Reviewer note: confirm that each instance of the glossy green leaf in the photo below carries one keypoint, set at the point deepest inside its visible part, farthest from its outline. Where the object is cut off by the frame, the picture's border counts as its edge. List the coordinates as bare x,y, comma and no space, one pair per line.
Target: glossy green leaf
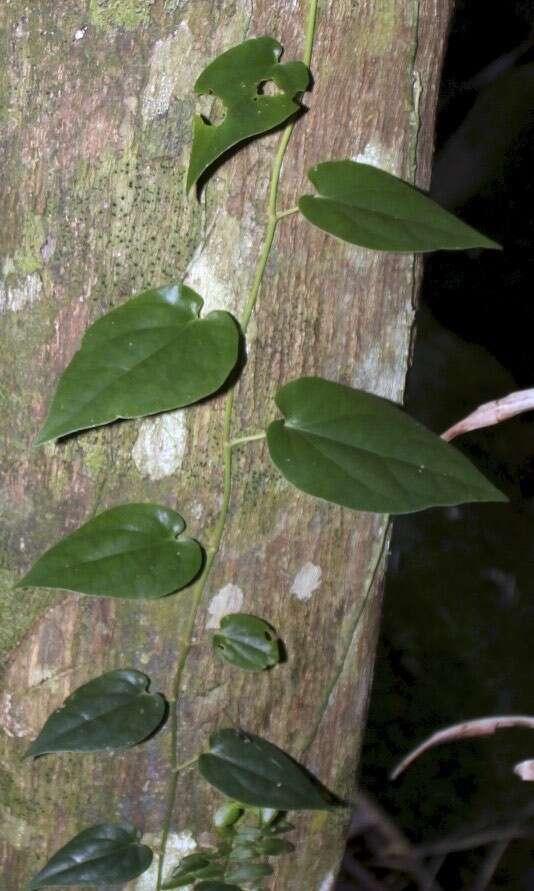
127,551
246,641
113,711
151,354
254,771
364,452
237,78
246,872
100,855
369,207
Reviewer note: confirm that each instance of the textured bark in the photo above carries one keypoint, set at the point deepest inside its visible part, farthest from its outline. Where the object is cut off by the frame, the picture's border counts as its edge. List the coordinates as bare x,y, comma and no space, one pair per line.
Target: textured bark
95,139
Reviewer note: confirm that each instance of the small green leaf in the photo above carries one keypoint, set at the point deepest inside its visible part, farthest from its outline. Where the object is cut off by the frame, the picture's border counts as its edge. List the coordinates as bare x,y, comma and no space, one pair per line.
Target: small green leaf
199,865
369,207
364,452
237,77
248,834
243,852
151,354
273,847
113,711
268,815
128,551
228,814
245,872
100,855
254,771
246,641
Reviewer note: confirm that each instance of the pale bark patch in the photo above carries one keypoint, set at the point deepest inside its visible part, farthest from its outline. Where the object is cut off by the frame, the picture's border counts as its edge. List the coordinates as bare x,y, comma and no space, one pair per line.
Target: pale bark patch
16,297
306,581
378,155
228,600
160,445
168,77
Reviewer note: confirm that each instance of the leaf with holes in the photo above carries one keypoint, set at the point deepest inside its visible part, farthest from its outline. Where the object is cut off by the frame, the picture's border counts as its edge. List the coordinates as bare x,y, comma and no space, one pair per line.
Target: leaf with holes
151,354
364,452
113,711
369,207
253,771
100,855
128,551
237,78
246,641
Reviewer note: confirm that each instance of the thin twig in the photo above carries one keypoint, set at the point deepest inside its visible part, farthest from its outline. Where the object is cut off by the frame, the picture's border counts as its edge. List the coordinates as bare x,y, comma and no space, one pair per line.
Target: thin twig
366,881
489,865
492,413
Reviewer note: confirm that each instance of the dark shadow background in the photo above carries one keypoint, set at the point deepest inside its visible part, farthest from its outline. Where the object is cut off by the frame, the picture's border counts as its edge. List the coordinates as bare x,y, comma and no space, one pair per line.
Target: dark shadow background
457,637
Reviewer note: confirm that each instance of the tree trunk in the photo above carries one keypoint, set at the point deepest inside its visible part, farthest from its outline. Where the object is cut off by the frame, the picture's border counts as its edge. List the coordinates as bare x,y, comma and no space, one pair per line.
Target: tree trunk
96,112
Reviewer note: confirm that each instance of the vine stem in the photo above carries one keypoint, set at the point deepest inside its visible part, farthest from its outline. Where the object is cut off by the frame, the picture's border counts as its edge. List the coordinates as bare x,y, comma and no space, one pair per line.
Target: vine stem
197,593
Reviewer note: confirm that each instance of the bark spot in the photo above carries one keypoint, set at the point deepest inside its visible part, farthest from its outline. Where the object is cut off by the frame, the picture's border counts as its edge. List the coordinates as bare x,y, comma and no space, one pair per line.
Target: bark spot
378,155
22,293
160,446
228,600
306,581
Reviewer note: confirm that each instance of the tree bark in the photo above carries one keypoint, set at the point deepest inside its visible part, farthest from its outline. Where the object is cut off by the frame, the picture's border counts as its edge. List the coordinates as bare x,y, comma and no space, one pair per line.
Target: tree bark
96,112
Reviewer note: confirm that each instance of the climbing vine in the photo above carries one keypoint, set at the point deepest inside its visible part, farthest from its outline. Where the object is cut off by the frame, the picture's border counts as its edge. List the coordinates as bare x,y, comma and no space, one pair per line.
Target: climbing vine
155,353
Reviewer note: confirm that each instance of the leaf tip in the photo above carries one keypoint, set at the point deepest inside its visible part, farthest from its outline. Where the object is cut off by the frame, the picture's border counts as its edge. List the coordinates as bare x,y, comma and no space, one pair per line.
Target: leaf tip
42,437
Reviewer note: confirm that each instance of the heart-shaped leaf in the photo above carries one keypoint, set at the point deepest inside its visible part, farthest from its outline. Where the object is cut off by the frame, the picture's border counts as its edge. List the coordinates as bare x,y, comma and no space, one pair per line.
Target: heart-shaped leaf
246,641
237,78
369,207
127,551
364,452
113,711
100,855
151,354
255,772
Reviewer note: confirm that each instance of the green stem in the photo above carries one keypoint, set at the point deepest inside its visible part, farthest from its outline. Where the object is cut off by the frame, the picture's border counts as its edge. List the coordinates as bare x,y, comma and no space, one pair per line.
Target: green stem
241,440
197,593
186,764
310,32
286,213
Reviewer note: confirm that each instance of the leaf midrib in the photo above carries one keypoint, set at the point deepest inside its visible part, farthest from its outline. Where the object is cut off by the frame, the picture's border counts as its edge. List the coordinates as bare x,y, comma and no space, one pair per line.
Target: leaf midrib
120,846
125,553
448,477
385,217
108,711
